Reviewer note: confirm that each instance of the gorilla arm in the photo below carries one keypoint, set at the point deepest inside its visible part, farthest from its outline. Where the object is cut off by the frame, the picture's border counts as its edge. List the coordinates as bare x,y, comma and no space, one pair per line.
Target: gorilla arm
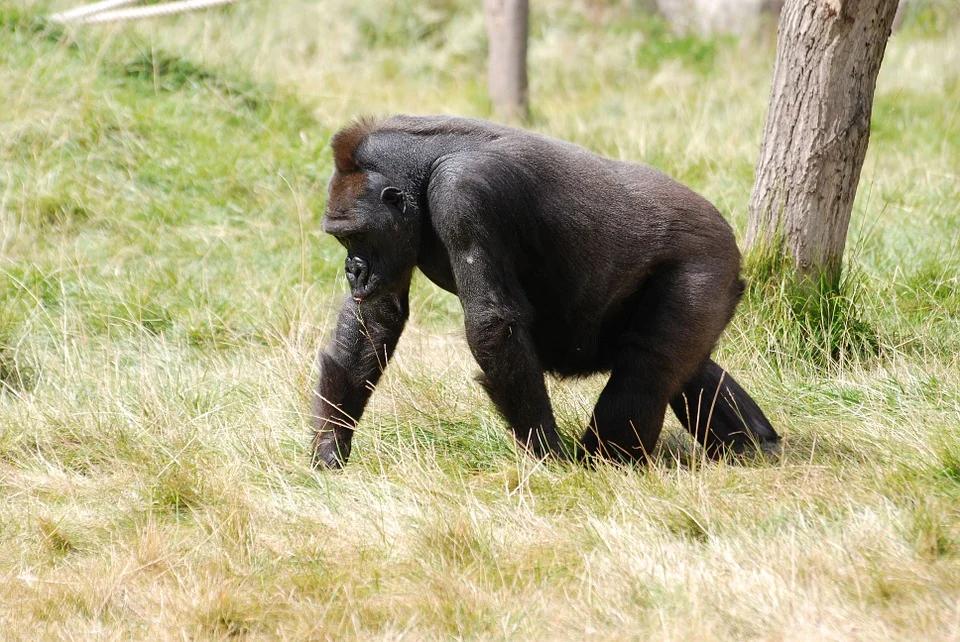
497,314
350,366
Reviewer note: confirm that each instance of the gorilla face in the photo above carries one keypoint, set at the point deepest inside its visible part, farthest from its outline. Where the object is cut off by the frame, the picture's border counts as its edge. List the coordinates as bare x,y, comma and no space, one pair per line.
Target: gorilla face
378,223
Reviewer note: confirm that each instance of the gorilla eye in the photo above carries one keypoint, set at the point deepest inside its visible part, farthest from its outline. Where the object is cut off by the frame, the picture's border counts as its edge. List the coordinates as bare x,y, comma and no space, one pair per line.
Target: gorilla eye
393,196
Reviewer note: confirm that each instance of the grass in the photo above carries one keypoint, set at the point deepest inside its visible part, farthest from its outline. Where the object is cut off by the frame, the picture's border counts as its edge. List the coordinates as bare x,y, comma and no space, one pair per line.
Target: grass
164,285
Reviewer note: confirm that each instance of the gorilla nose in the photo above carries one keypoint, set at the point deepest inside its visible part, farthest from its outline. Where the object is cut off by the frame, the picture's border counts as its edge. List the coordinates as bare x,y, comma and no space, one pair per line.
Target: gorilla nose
357,272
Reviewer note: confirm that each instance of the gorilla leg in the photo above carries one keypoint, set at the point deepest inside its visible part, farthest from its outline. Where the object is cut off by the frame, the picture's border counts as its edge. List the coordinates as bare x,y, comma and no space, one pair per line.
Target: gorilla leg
675,320
628,417
720,414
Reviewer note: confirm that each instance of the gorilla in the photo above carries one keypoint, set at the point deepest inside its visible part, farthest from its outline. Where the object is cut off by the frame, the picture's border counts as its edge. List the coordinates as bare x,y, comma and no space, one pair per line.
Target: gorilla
564,262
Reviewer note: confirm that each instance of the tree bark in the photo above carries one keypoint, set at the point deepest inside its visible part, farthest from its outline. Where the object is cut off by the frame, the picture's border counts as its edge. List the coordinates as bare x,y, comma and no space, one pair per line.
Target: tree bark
507,25
817,129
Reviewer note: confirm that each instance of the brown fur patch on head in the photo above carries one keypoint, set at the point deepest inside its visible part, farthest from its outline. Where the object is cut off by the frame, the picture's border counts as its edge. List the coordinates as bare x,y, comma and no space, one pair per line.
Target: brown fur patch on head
345,189
346,141
349,180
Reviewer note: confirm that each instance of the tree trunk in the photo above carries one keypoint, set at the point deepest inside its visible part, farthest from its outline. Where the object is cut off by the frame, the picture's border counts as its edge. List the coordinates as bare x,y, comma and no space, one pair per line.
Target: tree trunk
818,125
507,23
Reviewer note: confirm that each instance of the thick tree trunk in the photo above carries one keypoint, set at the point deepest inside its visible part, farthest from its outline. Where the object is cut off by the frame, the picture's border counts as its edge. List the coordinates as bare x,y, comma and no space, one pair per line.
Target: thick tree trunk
818,125
507,23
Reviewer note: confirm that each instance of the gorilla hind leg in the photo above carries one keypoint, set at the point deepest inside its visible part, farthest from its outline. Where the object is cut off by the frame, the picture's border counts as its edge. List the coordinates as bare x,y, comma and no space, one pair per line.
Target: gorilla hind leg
720,414
674,322
628,417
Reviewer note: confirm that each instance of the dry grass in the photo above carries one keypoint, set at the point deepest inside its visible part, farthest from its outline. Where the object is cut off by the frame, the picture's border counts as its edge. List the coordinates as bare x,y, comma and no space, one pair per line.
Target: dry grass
164,286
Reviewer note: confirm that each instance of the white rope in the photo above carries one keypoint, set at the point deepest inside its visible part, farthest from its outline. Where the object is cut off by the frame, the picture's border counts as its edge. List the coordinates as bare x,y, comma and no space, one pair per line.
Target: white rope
79,12
89,15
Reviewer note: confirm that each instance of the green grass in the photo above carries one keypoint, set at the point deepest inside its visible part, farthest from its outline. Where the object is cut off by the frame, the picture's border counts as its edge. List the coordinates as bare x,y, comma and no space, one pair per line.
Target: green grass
164,286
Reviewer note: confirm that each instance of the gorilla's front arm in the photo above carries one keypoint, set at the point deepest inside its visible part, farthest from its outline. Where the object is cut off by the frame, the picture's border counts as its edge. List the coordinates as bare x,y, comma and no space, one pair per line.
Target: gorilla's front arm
498,334
350,367
496,312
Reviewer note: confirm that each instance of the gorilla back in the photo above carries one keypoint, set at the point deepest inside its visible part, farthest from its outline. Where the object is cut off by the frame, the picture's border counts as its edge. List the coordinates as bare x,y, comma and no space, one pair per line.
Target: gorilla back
563,260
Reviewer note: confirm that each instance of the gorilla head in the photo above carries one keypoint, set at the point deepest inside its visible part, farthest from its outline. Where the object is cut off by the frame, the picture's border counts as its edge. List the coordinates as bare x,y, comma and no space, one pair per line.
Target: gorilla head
375,218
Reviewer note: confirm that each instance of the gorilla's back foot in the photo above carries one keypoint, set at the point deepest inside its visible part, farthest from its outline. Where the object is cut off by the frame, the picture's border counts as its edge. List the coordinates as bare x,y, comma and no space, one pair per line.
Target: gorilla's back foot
720,414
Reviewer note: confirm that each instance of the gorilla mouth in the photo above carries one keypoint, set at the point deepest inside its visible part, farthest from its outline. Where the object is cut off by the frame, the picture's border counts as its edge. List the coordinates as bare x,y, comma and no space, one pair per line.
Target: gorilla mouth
359,277
365,283
366,291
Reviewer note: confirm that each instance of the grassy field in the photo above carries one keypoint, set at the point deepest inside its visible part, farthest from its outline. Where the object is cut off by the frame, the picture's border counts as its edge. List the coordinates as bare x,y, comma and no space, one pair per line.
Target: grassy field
164,286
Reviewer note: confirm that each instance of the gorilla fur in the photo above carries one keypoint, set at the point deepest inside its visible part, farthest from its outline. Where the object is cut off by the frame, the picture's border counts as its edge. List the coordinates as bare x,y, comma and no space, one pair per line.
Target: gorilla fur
564,262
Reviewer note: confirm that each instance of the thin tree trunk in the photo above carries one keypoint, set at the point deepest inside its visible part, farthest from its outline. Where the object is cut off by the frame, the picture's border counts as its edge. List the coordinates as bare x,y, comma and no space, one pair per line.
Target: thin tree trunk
507,24
818,125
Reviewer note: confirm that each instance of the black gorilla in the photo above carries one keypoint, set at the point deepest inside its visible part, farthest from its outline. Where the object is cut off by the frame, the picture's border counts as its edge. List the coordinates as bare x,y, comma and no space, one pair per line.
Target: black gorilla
563,261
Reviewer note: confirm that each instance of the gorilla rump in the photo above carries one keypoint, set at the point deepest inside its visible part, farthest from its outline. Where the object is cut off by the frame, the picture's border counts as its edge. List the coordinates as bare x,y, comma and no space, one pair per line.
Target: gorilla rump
564,262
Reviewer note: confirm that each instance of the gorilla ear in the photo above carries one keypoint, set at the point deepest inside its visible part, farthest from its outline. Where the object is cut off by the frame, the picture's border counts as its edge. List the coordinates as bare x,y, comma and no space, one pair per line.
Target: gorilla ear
393,196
